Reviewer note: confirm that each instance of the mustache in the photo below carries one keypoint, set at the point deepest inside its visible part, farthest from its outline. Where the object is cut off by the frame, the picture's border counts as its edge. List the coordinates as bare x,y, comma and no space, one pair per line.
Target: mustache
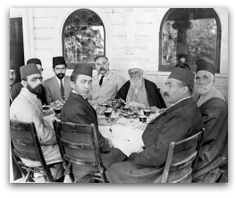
165,94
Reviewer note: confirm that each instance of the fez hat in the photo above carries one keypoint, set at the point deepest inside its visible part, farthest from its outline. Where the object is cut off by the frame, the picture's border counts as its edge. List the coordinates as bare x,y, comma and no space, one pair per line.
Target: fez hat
34,60
82,69
204,65
184,75
58,60
27,70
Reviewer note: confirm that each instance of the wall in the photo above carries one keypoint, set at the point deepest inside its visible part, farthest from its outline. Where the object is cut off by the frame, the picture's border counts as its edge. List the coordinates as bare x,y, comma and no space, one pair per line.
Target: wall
131,34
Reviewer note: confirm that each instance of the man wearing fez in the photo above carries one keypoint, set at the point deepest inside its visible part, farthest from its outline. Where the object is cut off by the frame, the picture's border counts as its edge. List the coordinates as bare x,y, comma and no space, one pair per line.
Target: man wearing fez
78,110
180,120
139,91
105,83
17,87
58,86
214,110
28,108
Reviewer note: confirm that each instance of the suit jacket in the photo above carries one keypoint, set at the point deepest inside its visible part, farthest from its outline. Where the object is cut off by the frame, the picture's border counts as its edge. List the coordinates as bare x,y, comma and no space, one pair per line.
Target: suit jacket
53,90
78,110
176,123
16,88
215,142
153,93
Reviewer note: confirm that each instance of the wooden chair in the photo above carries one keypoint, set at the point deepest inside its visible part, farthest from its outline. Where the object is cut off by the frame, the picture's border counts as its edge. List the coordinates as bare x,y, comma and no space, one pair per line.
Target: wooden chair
181,160
25,144
78,144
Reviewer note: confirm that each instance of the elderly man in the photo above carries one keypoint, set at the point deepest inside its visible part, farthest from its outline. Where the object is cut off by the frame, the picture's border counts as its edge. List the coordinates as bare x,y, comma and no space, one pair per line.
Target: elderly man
17,87
106,83
78,110
214,110
140,92
58,86
28,108
180,120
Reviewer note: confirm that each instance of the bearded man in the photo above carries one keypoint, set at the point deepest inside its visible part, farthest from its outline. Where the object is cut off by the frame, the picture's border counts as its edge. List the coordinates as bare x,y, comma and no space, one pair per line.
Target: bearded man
214,109
28,108
58,87
140,92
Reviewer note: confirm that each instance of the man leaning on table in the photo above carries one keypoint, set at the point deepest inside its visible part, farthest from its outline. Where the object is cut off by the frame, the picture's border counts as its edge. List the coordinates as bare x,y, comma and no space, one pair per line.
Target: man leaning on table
180,120
78,110
28,108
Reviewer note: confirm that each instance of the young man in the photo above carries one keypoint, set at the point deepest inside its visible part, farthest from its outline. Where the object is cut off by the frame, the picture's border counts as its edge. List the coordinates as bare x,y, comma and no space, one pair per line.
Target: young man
58,87
78,110
28,108
180,120
214,110
106,83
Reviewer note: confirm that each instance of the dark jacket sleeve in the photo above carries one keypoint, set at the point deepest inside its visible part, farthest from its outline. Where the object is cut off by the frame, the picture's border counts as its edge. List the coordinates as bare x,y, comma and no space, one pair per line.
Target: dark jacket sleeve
15,90
123,91
174,129
154,95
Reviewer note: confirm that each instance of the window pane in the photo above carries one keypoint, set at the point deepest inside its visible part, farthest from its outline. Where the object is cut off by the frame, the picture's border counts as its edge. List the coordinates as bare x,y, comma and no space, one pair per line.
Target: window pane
201,40
188,34
83,37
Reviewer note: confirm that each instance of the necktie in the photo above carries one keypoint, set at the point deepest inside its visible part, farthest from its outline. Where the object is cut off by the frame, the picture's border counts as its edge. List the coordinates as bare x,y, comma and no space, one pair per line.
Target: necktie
101,80
62,90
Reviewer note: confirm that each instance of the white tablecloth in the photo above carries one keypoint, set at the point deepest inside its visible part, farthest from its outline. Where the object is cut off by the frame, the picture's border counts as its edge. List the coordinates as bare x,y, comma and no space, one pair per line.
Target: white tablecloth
126,134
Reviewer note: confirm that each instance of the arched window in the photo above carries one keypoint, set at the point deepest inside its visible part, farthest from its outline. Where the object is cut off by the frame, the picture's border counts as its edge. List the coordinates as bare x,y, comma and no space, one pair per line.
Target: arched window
190,33
83,37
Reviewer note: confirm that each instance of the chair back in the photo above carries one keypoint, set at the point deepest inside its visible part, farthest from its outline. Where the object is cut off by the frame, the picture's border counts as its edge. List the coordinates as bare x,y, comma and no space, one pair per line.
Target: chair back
78,144
25,144
181,159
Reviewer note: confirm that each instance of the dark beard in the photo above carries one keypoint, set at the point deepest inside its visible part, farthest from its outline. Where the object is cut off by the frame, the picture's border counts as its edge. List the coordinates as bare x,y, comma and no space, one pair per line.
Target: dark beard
37,90
60,75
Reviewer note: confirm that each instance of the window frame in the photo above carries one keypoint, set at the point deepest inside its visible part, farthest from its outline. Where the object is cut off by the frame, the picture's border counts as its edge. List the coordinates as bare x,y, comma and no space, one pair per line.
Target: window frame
72,65
169,68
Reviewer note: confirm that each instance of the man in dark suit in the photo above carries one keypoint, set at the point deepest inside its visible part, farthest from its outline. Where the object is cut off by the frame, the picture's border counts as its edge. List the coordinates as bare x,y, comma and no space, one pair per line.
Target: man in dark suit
78,110
58,86
180,120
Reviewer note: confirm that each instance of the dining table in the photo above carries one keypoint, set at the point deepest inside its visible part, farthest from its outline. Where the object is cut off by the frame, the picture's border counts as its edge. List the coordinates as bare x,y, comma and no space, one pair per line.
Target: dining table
124,132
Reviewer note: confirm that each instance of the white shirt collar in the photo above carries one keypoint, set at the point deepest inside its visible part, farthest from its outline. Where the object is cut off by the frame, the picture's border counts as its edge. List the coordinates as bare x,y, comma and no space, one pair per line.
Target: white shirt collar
59,81
180,100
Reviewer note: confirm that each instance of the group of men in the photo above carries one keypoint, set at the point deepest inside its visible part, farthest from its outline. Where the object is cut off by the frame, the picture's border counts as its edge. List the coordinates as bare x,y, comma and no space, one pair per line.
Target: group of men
182,118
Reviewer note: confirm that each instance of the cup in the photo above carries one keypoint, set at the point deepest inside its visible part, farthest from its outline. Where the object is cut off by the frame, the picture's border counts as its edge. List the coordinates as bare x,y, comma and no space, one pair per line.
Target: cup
107,113
143,118
147,112
57,110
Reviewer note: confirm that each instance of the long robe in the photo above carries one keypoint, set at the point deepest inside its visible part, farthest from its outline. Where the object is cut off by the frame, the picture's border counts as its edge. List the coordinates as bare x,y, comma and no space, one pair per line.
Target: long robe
176,123
215,142
153,93
78,110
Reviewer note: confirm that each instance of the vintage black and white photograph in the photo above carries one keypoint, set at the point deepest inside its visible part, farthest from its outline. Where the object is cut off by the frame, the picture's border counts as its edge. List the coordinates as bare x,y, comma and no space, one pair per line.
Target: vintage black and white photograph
118,95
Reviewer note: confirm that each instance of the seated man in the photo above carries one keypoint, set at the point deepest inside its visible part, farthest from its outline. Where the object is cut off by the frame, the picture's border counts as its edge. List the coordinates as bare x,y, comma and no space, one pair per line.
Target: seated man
58,86
140,92
180,120
78,110
214,110
106,83
28,108
17,87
